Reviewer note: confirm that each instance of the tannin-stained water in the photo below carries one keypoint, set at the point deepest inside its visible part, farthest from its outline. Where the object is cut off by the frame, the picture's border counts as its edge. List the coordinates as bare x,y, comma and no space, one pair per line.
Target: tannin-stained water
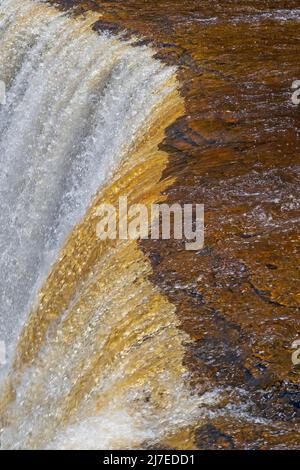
73,111
95,353
99,361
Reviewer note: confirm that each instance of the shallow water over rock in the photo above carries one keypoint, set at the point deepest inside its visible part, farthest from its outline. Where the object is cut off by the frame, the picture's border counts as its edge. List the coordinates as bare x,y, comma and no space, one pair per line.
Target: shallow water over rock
235,149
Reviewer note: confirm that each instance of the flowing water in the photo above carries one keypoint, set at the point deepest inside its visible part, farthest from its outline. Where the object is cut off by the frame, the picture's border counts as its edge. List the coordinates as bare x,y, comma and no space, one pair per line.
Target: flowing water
126,344
95,356
73,111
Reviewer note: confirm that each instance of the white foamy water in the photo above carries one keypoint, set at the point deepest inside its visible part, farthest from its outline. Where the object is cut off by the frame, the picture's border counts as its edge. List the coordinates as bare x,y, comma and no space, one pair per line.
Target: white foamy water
75,102
117,428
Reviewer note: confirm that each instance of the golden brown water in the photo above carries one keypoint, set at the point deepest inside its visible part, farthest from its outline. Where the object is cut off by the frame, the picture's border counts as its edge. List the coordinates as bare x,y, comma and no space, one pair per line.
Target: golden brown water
95,332
228,314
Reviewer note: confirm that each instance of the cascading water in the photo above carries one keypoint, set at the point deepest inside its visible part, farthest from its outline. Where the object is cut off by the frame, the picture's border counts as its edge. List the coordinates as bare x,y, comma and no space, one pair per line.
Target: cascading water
93,365
73,110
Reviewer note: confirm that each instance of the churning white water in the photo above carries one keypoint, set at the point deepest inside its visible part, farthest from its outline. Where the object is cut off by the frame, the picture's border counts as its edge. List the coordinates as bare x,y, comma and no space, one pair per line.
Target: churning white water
76,101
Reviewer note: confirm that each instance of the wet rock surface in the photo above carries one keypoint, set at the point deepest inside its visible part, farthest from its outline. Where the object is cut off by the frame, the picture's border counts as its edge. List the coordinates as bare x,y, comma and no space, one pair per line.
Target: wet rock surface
237,152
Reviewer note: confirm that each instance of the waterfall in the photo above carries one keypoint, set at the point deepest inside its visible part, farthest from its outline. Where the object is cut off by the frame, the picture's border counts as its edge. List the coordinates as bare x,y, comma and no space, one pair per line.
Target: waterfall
95,352
74,107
